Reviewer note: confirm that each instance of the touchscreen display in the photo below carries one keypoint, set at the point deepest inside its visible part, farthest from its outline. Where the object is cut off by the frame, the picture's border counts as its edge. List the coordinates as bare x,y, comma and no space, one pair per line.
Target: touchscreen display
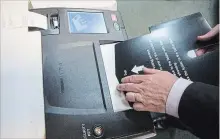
86,22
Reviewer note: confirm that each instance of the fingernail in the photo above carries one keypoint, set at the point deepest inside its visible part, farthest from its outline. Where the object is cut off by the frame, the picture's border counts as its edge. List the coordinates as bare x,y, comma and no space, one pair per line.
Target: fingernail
122,80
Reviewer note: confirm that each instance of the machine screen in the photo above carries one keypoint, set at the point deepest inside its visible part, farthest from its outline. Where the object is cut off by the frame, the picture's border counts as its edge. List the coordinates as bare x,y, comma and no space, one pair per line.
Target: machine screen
85,22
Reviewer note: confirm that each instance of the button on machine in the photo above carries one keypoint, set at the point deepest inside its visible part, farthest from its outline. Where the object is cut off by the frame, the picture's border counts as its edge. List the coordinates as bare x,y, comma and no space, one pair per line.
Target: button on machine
98,131
114,17
116,26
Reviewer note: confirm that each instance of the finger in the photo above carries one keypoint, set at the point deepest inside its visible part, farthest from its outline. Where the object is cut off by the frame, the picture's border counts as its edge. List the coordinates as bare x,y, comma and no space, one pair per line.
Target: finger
138,106
133,97
129,87
200,52
150,71
130,97
133,79
213,32
141,107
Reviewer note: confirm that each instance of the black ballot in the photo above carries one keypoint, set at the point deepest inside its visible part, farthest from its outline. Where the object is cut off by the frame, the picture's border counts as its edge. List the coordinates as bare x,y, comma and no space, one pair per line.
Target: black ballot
171,47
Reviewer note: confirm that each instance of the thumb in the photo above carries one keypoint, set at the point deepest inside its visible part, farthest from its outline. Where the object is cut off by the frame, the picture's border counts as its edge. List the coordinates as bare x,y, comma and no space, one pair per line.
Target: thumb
150,71
208,36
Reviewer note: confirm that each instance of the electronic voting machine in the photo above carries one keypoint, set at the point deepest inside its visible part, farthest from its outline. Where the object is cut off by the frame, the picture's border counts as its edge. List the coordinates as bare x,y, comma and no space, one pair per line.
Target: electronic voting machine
77,99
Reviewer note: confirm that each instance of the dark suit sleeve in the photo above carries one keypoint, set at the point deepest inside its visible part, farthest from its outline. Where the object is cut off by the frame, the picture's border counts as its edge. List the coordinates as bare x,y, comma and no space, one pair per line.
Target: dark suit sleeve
199,110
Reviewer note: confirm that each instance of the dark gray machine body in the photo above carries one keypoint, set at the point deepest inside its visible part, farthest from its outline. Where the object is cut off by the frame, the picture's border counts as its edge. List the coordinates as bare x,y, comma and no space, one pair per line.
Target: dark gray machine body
76,92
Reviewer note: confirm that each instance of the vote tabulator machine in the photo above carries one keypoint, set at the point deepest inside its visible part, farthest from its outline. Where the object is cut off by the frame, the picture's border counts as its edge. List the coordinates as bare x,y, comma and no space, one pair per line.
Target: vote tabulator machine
76,93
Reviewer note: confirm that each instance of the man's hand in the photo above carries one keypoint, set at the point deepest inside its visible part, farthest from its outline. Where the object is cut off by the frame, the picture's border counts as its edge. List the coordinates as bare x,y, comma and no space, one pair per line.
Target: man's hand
149,92
208,36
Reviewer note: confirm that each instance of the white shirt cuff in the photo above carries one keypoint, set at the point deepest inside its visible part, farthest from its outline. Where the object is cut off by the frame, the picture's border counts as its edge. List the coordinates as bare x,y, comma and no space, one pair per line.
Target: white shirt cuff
175,95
